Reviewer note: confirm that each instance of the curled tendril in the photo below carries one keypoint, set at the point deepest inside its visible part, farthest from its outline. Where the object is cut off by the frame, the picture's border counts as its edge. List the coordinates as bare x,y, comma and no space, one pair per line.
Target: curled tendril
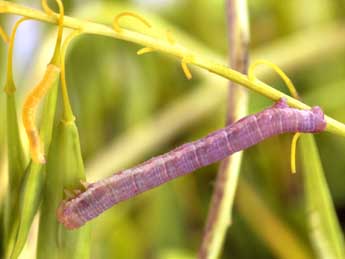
117,18
280,72
185,69
49,11
294,94
293,152
4,35
170,37
46,7
144,50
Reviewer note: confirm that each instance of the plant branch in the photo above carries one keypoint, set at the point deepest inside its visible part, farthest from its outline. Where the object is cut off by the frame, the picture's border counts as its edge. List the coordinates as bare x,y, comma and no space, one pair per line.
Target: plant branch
176,50
220,212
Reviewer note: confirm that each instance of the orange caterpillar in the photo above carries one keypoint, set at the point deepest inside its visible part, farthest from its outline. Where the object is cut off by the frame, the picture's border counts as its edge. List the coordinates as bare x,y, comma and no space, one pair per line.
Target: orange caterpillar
51,76
30,105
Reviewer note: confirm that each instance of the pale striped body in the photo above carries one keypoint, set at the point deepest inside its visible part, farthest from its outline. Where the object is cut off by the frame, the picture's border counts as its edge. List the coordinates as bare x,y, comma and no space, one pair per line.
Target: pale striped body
216,146
30,108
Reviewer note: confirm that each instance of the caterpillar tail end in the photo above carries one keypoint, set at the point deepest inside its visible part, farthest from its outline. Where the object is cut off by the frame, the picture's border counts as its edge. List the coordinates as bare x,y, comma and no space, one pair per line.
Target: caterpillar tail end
38,157
36,147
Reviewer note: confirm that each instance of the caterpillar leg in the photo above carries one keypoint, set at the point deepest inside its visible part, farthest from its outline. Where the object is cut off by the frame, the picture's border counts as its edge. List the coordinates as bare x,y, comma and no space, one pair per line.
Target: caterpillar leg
281,103
85,184
68,194
71,194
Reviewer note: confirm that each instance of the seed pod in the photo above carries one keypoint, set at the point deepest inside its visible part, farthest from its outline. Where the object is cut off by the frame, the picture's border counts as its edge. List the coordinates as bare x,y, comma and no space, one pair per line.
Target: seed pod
16,157
30,195
16,169
64,171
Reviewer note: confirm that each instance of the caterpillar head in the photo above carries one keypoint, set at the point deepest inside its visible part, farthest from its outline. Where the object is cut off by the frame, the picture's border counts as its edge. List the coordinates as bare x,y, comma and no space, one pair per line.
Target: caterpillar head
68,217
319,118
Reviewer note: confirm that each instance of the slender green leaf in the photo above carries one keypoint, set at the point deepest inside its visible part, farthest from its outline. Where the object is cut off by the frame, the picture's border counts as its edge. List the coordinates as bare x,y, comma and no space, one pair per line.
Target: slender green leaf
325,231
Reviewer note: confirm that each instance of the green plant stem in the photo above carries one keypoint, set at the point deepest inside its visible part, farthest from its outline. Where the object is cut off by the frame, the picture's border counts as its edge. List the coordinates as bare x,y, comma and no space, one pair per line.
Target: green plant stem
220,212
68,115
176,50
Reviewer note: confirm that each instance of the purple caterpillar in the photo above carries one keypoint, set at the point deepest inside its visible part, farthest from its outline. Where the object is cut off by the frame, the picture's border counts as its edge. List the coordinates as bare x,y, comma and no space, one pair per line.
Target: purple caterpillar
101,195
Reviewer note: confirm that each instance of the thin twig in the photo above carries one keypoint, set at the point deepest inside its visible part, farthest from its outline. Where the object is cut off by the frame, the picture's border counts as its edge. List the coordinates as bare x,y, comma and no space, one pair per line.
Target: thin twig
176,50
219,217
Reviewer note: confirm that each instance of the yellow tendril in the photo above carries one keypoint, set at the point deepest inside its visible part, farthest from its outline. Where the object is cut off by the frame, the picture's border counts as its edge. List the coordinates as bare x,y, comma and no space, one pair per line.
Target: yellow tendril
170,37
4,35
293,152
10,87
144,51
280,72
185,68
46,7
68,114
116,25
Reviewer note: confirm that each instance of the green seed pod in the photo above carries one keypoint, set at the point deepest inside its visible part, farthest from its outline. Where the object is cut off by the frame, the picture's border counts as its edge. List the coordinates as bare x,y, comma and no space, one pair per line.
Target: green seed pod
30,194
16,168
16,157
65,169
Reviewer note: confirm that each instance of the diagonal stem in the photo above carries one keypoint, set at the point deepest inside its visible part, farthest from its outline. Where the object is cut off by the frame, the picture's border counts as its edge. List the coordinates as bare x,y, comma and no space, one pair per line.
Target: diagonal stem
176,50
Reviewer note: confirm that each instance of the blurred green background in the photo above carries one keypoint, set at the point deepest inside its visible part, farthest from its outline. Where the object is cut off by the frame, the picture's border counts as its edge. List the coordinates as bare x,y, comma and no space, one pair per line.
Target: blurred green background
130,108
